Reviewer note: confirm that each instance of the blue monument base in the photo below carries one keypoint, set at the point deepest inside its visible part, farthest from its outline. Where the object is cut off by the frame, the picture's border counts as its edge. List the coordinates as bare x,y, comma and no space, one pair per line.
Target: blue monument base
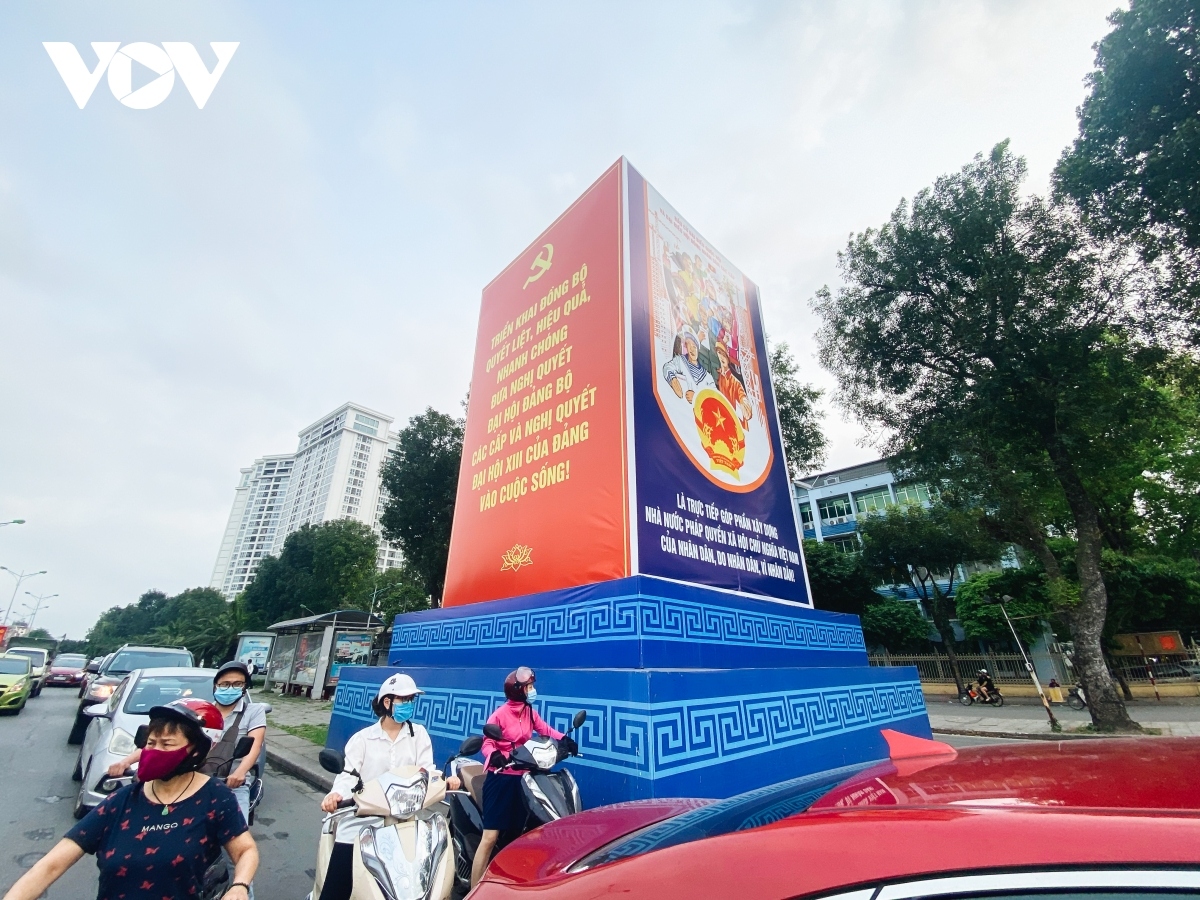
690,692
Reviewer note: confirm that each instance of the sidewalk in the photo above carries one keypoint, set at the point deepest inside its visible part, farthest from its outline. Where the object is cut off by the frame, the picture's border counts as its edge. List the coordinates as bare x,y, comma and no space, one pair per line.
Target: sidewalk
1022,718
295,753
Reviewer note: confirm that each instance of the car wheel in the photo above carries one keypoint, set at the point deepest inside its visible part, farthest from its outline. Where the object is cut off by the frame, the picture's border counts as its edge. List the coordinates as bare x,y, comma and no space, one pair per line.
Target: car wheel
965,698
79,810
77,775
78,730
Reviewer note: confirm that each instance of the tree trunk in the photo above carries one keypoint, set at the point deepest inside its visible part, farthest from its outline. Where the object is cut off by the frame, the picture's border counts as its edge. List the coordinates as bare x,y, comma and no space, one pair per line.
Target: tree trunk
1116,670
1087,618
941,621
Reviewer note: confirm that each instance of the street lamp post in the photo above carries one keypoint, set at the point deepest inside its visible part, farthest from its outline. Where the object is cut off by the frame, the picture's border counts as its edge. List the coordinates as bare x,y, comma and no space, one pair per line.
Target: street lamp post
12,522
1054,726
20,576
41,600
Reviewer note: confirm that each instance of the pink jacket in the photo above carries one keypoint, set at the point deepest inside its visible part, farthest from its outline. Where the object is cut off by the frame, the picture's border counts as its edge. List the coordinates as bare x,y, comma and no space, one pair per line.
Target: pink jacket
518,721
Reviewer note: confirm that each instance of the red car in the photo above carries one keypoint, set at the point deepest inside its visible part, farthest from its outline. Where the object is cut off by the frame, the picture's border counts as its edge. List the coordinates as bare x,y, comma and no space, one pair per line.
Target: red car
66,670
1057,819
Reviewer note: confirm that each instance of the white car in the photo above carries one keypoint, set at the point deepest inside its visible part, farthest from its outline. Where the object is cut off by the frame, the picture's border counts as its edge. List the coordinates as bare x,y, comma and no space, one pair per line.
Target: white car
39,661
109,735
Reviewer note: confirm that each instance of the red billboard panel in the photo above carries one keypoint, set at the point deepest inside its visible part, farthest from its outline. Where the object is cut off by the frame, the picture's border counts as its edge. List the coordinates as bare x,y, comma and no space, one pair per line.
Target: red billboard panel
542,494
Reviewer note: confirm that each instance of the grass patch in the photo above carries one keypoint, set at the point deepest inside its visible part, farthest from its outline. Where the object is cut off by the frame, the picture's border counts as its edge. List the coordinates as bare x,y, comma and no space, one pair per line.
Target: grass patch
316,734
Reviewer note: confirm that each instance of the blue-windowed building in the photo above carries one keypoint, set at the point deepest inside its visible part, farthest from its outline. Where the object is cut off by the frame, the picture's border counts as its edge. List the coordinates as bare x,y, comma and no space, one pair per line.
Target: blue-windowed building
830,503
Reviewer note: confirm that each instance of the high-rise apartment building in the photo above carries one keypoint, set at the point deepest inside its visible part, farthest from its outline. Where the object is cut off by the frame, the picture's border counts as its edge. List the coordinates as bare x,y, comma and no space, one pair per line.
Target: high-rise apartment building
250,532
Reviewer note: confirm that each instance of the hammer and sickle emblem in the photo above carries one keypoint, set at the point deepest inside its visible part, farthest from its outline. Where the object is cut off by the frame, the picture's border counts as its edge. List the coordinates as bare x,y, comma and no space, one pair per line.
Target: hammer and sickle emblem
541,264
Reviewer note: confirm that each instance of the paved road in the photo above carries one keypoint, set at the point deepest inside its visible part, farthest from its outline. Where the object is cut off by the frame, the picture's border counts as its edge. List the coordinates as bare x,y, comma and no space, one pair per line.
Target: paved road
36,763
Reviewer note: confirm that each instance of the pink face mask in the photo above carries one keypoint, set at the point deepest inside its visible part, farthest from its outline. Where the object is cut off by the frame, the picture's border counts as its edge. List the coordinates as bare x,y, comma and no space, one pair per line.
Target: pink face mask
156,764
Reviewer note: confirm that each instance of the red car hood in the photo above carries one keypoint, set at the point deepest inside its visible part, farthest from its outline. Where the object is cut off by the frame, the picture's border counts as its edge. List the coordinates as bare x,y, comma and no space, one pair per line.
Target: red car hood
548,850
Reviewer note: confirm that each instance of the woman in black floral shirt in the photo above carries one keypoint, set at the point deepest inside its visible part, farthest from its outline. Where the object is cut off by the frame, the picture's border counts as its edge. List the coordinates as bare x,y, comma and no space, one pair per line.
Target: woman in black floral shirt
154,839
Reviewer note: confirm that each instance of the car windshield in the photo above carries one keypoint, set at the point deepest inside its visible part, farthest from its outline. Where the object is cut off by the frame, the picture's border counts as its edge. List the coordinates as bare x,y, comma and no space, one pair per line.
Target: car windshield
750,810
14,666
70,661
128,660
38,657
157,690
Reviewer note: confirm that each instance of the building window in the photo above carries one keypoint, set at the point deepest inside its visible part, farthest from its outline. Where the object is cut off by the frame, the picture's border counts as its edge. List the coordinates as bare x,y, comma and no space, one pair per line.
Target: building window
873,501
912,493
847,544
806,517
835,510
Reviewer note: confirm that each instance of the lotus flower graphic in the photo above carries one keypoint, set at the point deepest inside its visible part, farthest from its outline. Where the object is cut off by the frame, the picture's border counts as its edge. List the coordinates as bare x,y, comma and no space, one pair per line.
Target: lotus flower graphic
519,555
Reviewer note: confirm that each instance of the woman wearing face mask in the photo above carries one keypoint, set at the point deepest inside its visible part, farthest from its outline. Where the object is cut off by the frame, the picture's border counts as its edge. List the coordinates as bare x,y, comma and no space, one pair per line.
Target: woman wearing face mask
395,740
503,802
154,839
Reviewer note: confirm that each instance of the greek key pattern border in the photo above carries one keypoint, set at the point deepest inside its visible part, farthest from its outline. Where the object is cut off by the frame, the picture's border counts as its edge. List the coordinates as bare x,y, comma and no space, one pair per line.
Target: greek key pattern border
628,617
648,740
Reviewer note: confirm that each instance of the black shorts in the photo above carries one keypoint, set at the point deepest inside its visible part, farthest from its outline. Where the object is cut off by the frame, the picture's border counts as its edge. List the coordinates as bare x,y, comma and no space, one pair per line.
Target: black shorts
503,802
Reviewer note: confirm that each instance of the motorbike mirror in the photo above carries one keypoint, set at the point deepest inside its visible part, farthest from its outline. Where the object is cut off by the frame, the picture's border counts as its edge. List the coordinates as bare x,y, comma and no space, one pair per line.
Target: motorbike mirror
494,731
139,736
244,746
332,760
580,718
470,746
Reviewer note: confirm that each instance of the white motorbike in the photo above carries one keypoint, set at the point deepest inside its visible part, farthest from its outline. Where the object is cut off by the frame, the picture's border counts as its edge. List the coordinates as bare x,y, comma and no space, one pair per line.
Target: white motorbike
397,825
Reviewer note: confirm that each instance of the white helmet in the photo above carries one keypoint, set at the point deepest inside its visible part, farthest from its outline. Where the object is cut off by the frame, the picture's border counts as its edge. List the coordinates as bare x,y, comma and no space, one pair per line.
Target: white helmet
399,684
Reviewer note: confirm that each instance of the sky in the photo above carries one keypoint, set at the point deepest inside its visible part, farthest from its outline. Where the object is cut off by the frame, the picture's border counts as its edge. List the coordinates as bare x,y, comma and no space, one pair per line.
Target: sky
182,290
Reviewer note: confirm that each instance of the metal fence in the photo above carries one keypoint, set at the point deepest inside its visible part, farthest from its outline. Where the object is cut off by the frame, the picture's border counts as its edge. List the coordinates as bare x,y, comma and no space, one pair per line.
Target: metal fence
1009,668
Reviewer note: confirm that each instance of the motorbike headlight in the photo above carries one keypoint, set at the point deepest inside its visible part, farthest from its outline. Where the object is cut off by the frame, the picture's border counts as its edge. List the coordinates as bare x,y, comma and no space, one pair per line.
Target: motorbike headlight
122,743
405,798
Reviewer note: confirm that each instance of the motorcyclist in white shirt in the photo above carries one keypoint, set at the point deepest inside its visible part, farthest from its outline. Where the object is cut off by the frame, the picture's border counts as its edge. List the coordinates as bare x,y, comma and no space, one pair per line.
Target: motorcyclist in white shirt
395,740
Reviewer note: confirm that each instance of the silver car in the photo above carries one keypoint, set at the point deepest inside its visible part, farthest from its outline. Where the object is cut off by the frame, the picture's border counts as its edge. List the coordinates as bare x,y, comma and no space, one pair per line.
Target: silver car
109,735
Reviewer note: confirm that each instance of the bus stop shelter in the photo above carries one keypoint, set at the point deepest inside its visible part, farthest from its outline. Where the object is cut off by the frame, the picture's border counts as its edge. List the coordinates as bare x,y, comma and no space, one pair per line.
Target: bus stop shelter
308,653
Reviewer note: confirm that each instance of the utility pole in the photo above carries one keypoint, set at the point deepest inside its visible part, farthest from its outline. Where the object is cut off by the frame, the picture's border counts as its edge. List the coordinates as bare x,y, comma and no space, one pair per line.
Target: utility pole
20,576
1054,726
41,600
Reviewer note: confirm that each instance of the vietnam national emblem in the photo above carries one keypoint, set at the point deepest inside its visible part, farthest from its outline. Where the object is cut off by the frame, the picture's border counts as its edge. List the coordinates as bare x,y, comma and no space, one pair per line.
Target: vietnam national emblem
721,434
520,555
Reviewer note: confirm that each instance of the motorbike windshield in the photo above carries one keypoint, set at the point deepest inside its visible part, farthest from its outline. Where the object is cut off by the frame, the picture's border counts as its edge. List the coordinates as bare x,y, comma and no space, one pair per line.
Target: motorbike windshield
750,810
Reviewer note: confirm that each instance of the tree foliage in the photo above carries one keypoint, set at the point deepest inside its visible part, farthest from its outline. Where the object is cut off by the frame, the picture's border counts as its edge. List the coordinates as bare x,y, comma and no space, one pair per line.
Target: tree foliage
799,419
1133,167
838,580
999,347
981,617
910,544
197,618
321,568
400,590
421,480
895,625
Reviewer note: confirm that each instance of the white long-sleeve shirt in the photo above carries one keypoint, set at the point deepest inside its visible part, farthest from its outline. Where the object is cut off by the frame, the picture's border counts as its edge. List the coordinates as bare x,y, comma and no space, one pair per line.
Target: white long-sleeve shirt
372,753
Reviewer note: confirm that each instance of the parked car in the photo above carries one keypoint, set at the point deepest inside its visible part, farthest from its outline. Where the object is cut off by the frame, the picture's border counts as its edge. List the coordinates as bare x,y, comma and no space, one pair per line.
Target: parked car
66,670
115,667
16,681
113,723
1059,820
39,661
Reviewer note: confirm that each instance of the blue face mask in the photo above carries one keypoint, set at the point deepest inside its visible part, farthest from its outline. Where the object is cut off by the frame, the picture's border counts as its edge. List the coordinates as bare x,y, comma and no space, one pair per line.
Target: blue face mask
531,695
402,712
227,696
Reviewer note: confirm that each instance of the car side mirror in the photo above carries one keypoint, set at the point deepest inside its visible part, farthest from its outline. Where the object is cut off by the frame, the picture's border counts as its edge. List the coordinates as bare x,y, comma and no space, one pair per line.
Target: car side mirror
580,718
470,746
140,736
92,668
244,746
332,760
97,711
493,731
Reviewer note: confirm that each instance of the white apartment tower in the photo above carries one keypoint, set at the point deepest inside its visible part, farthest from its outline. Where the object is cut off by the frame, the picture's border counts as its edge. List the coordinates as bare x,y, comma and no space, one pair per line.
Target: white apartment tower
250,532
335,473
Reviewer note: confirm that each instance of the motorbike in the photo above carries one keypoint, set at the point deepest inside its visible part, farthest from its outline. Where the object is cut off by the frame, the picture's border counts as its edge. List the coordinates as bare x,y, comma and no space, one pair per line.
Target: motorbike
549,794
1076,699
398,828
216,876
973,695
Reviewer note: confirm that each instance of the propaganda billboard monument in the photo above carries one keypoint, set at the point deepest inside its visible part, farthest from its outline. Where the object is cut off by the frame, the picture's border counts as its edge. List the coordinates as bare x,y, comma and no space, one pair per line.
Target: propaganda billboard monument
624,523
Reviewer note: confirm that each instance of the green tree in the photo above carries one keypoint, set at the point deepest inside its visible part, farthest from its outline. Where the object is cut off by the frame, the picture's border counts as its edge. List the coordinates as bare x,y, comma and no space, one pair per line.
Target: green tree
895,625
421,480
981,617
400,590
799,418
838,581
1133,167
321,568
40,634
73,646
988,334
913,545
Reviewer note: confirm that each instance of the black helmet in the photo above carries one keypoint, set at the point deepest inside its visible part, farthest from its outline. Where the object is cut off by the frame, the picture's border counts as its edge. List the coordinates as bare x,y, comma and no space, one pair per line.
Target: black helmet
234,665
517,681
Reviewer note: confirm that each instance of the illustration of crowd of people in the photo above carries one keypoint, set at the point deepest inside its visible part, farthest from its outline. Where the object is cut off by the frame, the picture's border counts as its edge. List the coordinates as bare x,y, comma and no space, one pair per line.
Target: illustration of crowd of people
706,351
